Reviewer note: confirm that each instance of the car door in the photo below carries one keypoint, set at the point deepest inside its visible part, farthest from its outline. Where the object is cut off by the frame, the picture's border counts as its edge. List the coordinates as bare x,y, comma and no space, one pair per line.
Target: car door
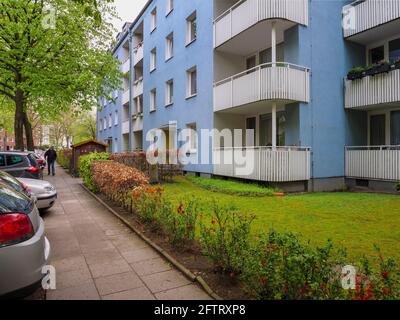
16,165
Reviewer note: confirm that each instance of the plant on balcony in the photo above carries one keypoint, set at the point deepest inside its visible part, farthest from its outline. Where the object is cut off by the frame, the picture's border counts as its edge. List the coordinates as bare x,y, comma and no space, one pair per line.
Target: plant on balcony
380,67
395,64
356,73
372,70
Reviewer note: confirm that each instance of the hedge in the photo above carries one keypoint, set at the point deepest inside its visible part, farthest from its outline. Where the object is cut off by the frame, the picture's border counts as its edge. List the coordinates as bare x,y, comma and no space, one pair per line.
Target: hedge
85,167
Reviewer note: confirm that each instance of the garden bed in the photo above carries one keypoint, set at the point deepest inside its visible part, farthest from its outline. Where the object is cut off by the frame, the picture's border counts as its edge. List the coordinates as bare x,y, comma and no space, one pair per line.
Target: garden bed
191,258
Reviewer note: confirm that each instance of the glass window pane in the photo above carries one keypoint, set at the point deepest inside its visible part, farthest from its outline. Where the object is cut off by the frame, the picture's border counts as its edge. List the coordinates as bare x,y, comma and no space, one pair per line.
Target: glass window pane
394,50
14,159
378,130
2,161
395,128
377,55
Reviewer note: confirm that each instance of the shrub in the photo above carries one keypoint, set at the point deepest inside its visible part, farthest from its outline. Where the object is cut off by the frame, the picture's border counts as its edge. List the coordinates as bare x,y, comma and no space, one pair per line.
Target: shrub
64,158
116,180
85,168
226,238
279,266
398,186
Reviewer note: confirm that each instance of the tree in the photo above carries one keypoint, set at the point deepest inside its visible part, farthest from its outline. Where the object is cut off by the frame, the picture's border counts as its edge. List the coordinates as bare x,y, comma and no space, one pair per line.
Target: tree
54,54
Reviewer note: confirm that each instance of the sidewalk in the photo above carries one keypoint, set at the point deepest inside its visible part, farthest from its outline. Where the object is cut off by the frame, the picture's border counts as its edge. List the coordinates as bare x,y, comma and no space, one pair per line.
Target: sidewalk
97,257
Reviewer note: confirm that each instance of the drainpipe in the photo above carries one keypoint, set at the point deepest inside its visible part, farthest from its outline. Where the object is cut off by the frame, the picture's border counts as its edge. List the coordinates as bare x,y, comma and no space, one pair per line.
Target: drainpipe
273,58
130,117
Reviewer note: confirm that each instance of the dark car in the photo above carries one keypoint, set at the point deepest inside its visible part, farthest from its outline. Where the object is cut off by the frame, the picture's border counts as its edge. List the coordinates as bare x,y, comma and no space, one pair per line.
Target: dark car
20,164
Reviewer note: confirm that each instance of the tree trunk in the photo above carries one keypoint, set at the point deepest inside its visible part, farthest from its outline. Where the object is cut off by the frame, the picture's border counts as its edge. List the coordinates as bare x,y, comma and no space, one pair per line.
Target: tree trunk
19,120
29,134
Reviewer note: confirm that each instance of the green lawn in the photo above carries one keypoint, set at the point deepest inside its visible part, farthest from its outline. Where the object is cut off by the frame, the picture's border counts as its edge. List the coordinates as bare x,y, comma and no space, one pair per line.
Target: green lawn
354,220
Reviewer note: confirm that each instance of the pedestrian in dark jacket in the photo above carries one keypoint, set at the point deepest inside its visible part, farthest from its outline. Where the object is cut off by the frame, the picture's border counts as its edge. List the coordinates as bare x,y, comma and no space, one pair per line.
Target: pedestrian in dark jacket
51,157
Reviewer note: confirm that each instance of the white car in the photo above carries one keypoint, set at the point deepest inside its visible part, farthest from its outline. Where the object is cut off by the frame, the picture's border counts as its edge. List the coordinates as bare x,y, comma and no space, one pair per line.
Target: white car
44,191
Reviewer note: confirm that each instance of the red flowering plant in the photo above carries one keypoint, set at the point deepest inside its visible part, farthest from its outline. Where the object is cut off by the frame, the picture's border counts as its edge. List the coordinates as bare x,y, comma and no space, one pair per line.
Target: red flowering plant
225,238
279,266
382,283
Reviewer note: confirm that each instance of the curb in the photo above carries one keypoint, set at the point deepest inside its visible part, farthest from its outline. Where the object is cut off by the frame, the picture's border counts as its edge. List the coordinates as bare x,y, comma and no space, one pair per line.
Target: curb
188,274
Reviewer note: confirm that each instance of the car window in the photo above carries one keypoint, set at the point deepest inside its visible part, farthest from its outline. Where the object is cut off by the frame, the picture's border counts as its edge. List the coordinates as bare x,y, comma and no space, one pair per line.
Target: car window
2,160
13,159
11,181
32,160
12,201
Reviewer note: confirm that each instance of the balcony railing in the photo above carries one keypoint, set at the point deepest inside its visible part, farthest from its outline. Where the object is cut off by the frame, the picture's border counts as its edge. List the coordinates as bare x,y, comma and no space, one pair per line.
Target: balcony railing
125,66
375,163
125,97
247,13
373,90
362,15
280,81
138,54
280,164
125,127
138,88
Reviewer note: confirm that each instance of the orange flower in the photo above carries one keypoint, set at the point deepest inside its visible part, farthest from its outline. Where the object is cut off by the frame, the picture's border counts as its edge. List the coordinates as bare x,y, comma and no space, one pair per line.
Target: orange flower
136,195
213,222
180,209
150,190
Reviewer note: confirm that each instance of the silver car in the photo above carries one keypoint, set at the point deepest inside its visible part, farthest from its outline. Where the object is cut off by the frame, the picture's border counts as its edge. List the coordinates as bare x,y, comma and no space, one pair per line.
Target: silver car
24,249
44,191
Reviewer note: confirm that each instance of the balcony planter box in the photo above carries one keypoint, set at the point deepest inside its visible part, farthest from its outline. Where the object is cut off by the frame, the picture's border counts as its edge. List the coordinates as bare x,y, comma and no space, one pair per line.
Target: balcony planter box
355,75
378,69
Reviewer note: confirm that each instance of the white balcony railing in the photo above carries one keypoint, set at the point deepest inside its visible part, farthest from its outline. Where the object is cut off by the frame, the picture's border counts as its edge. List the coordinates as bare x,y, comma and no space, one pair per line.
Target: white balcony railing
363,15
137,54
125,67
375,163
284,81
125,97
282,164
247,13
138,88
125,127
373,90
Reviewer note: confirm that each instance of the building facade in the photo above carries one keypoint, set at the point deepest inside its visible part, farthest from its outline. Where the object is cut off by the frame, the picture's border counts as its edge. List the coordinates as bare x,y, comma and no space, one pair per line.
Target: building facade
279,70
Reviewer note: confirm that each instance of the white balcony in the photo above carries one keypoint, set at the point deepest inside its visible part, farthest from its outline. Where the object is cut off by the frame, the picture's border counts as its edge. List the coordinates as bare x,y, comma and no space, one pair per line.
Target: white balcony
125,98
363,15
138,54
373,90
126,66
280,164
373,163
138,88
247,13
276,82
138,123
125,127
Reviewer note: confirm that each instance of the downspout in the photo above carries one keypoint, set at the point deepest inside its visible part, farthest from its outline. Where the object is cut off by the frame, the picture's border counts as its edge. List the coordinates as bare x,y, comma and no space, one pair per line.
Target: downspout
130,147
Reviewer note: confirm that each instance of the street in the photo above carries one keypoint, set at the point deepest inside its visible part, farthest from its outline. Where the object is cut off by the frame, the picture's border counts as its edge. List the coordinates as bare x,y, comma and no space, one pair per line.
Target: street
97,257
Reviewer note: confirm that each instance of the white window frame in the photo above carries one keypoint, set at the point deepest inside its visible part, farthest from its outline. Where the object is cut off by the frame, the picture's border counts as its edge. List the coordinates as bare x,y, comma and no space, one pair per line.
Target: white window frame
116,118
189,84
153,59
153,19
169,46
190,37
193,139
169,92
105,123
169,7
110,120
153,100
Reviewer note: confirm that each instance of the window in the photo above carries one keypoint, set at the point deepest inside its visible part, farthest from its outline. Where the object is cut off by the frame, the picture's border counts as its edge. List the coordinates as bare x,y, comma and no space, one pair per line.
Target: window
153,20
110,120
191,32
191,82
193,136
105,124
14,159
116,118
153,100
153,59
169,92
169,46
2,161
395,128
378,130
376,55
170,6
251,135
394,50
101,125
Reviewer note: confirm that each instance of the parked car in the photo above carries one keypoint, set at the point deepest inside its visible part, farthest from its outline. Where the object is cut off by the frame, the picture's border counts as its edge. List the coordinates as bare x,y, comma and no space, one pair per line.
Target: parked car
20,164
40,160
44,191
24,249
14,183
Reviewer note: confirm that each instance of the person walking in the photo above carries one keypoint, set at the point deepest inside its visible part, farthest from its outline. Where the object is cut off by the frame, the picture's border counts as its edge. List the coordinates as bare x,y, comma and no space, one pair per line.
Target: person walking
51,157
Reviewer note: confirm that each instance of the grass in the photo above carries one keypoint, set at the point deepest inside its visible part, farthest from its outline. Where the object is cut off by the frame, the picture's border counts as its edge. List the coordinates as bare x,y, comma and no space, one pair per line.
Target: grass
232,187
355,220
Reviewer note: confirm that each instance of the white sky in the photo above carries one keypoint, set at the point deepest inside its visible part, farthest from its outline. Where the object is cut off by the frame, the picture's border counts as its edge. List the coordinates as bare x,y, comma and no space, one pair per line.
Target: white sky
127,11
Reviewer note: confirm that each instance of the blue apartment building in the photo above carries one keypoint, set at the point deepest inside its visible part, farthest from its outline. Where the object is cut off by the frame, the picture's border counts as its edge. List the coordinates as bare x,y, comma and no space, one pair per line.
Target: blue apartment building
279,68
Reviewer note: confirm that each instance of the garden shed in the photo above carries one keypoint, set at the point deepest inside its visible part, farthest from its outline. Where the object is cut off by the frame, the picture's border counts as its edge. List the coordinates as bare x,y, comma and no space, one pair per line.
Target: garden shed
86,147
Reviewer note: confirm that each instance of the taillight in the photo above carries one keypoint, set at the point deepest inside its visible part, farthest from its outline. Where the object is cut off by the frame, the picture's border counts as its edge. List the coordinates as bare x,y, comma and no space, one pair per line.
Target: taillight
33,169
15,228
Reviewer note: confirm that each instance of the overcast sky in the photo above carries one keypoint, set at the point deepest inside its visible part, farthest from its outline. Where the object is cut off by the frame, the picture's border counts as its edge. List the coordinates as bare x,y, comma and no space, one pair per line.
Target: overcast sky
127,10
